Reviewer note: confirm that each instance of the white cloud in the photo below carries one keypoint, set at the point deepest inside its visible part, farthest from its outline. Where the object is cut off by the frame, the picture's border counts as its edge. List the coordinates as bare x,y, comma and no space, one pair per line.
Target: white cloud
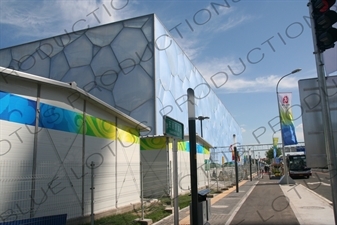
46,18
231,23
218,72
259,84
218,20
226,19
191,47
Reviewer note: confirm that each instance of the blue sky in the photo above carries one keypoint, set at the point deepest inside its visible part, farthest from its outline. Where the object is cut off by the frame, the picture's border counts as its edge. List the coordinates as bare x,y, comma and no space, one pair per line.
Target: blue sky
241,47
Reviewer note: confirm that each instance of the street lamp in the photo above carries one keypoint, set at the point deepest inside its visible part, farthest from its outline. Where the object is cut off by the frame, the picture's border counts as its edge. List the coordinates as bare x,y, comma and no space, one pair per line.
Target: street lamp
201,118
286,175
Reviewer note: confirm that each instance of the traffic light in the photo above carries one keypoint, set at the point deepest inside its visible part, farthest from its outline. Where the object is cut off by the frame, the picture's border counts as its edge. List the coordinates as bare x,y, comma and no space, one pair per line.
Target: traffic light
324,18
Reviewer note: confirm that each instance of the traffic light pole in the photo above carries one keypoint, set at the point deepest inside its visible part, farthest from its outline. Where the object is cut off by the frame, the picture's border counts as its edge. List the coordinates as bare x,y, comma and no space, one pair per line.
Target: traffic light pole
326,117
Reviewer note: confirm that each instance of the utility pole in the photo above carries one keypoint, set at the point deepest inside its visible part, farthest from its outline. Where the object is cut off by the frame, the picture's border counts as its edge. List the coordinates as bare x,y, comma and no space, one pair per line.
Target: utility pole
326,117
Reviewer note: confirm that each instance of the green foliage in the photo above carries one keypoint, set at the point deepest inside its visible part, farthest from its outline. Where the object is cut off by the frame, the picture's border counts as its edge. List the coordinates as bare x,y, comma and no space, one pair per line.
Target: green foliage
184,201
155,212
270,153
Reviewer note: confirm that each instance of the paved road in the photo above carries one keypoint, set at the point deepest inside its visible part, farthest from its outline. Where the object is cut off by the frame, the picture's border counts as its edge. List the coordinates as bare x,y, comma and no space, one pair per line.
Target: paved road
266,205
264,201
319,182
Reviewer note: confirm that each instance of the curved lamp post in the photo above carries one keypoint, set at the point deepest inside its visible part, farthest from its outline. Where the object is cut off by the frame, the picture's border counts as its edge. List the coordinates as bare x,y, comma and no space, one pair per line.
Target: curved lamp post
201,118
286,175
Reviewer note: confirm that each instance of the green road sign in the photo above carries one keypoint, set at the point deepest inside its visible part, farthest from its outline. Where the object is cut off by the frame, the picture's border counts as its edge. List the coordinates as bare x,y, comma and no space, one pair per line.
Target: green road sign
207,164
173,128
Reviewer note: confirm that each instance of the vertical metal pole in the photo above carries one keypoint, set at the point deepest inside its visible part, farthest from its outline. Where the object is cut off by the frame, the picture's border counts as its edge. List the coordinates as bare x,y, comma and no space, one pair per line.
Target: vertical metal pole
217,178
193,156
283,153
83,155
261,174
34,163
175,183
329,140
201,127
116,163
223,176
141,189
171,183
169,171
285,166
257,168
250,167
236,164
326,117
92,165
208,175
236,170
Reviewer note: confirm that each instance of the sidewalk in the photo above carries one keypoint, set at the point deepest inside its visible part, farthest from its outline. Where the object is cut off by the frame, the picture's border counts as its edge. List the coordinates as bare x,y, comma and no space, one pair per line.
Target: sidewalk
264,201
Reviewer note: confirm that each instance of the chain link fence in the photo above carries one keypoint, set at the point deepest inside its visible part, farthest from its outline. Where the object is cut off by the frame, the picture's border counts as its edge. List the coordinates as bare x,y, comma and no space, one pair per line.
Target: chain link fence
86,191
224,177
76,190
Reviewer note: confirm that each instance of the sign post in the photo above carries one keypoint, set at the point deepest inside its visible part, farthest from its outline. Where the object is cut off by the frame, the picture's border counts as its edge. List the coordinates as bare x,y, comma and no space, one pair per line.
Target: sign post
175,130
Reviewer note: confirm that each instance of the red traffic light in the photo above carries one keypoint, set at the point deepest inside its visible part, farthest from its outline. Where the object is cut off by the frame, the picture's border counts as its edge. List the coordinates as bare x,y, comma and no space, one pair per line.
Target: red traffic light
324,19
323,5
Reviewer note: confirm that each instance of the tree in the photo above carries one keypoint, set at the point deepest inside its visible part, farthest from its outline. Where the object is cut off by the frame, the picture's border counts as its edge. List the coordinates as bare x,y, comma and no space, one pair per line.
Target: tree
270,153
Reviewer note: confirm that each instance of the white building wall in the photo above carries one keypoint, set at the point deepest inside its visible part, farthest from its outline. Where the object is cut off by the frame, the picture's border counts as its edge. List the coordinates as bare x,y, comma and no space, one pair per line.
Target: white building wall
156,167
128,165
58,179
184,178
16,148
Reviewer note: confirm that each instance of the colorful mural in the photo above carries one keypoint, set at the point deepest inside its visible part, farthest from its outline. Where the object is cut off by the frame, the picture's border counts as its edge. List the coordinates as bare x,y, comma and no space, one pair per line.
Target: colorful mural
18,109
158,143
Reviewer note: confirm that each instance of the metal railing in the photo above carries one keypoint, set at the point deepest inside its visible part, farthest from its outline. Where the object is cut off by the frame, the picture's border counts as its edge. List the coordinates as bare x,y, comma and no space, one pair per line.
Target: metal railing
87,190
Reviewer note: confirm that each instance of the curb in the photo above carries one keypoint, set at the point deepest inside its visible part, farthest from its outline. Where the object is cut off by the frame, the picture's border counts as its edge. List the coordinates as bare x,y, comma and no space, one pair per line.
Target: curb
320,196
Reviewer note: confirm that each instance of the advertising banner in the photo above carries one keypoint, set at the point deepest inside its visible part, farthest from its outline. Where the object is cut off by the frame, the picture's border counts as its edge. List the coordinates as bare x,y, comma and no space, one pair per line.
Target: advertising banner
287,126
275,141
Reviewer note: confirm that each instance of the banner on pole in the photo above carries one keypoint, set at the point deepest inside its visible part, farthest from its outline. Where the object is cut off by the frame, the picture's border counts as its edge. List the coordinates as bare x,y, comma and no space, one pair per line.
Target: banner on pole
275,141
287,126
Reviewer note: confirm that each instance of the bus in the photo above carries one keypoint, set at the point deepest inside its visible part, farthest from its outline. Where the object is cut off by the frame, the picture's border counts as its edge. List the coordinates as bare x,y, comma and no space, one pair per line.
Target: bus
297,165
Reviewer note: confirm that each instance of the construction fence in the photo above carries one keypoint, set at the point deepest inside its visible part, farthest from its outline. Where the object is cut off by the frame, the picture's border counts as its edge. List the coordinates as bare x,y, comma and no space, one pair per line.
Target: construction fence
87,190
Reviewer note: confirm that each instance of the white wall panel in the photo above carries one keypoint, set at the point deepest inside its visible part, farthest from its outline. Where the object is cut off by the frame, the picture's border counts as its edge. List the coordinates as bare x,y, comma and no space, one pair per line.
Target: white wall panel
58,169
16,150
155,171
103,153
128,166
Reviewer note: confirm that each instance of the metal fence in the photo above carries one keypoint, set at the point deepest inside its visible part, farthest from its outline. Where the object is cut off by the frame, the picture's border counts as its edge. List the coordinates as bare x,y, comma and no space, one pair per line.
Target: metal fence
73,189
224,177
88,190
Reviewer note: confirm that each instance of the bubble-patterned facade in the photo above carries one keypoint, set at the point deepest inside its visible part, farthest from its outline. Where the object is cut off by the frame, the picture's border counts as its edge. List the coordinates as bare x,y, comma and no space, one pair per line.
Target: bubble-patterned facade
133,65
